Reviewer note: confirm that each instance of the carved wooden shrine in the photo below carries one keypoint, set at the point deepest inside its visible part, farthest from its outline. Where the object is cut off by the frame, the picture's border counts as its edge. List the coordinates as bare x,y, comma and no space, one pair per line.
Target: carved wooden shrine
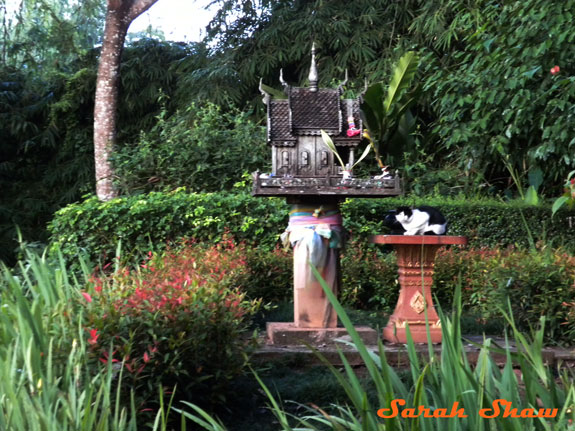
302,165
305,173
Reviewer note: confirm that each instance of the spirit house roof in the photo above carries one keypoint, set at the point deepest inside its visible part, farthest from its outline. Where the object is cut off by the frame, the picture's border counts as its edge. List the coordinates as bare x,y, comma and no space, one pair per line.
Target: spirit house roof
308,110
312,111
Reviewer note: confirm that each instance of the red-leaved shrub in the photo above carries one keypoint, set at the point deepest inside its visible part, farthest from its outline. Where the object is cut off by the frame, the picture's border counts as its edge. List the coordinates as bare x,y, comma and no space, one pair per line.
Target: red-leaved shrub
176,320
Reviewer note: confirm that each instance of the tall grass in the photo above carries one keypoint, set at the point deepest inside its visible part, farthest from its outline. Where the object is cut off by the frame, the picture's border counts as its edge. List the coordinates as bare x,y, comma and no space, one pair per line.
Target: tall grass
46,382
45,379
439,381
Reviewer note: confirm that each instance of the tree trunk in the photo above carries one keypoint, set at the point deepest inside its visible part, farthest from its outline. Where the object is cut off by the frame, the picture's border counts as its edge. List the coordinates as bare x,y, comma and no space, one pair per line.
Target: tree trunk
107,102
119,16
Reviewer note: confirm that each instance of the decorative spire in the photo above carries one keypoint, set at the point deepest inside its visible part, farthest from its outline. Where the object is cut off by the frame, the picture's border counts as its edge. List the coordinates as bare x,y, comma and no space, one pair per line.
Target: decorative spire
313,71
282,80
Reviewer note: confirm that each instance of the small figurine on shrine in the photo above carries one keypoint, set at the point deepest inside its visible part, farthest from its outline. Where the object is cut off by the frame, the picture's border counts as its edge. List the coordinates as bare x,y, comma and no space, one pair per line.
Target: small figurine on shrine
351,129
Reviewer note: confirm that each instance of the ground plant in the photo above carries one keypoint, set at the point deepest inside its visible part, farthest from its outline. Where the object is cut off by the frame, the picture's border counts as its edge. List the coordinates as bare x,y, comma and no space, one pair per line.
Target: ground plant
469,397
178,321
79,355
46,381
124,343
204,148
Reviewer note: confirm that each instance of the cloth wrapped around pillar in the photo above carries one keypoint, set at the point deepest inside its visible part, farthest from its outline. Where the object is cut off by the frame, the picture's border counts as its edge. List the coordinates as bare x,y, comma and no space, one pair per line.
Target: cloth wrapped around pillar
315,233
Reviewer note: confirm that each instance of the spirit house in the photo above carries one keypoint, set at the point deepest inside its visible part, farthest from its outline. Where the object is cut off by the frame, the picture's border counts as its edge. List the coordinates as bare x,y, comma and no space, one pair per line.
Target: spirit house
302,164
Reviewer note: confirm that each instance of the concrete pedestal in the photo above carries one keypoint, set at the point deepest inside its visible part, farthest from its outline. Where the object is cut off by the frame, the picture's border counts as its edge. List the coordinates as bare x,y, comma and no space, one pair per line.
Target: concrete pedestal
416,260
312,308
315,232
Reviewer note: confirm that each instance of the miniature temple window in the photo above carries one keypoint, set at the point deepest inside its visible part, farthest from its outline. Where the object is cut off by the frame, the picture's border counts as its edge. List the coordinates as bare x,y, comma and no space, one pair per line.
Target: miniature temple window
324,159
285,159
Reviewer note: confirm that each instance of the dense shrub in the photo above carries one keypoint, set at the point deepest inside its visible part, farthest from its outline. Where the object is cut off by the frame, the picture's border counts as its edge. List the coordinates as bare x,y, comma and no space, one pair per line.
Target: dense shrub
46,380
268,274
202,148
503,97
175,320
537,284
141,222
369,278
149,222
46,126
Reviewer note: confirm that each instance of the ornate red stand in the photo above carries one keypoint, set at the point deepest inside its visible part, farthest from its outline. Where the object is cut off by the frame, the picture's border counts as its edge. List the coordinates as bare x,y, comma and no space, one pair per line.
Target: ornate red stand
416,260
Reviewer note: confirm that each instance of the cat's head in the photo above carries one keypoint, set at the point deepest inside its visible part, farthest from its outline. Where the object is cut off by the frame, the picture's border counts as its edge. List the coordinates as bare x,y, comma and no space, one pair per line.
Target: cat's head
392,224
403,214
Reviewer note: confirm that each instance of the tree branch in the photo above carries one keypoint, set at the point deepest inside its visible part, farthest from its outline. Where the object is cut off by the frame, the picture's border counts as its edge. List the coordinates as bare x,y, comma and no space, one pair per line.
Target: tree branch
138,7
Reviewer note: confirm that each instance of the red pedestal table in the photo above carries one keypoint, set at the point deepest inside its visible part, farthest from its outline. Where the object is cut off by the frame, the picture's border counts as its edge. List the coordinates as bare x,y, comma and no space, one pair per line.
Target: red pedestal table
416,260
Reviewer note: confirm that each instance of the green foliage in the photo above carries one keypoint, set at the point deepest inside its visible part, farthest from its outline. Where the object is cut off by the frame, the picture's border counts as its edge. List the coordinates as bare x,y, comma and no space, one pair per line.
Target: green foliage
141,222
484,73
268,274
204,78
71,169
177,321
495,88
150,84
149,222
258,40
27,145
568,194
386,111
45,37
46,151
537,284
45,380
331,146
202,148
369,278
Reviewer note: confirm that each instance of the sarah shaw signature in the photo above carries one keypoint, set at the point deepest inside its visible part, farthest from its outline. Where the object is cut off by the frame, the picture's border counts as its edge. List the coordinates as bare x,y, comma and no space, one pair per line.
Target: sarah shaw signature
499,407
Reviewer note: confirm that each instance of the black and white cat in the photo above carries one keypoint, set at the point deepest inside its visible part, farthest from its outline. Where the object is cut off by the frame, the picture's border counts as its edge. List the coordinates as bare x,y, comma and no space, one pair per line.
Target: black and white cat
421,221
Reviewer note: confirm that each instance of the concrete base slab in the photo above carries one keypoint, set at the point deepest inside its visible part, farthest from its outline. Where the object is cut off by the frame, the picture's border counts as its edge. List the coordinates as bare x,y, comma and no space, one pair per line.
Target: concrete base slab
287,334
397,355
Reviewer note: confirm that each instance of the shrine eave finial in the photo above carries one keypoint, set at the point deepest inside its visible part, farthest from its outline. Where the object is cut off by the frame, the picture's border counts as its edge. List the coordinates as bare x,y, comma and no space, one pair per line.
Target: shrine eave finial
313,77
282,80
340,86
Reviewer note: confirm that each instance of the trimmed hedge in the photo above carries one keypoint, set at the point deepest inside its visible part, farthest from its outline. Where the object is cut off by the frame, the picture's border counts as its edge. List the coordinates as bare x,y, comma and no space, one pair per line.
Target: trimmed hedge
486,222
149,222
